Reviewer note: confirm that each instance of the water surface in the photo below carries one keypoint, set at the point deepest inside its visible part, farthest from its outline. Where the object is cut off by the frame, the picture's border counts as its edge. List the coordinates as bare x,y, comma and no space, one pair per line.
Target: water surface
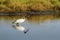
40,28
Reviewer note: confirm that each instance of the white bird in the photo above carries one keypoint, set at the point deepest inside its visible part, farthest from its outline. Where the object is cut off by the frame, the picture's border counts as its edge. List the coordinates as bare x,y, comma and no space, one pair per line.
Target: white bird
19,27
19,21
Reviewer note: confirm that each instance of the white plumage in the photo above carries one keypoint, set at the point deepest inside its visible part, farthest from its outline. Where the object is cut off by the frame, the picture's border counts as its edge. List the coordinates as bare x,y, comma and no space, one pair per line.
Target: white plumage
20,21
19,27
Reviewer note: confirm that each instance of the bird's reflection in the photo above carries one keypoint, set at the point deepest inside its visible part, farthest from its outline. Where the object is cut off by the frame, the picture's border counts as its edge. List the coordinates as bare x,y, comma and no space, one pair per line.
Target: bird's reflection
20,28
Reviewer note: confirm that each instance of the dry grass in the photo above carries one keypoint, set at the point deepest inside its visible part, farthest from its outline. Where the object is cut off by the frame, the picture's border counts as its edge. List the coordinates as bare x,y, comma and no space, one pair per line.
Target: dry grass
24,5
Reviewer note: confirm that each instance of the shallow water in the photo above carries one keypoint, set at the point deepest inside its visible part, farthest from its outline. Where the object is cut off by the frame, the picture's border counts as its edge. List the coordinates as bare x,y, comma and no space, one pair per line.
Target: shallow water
40,28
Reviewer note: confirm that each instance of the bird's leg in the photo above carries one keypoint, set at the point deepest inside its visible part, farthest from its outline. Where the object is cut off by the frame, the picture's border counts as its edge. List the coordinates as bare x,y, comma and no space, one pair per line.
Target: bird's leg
17,24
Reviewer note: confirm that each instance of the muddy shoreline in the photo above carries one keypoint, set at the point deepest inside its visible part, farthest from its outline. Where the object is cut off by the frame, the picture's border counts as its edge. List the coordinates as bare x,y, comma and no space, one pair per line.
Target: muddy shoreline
31,13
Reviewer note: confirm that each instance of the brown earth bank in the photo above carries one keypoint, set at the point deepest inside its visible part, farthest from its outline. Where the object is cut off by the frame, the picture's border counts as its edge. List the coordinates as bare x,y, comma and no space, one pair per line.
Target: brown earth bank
47,12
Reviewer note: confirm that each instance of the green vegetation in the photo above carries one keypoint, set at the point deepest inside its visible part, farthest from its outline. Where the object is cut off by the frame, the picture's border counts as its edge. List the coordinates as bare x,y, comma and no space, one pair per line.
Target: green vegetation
28,5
